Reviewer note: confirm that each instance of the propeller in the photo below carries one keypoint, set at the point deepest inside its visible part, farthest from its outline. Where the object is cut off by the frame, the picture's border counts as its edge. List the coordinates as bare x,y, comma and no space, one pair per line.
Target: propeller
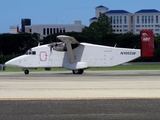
58,46
51,47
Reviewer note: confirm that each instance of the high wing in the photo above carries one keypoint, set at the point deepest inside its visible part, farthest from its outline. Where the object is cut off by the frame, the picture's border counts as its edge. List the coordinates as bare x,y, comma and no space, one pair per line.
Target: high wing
68,40
65,39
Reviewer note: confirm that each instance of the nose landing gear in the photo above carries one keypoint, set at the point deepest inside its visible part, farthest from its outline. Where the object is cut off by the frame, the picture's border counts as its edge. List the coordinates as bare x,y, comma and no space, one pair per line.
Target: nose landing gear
26,72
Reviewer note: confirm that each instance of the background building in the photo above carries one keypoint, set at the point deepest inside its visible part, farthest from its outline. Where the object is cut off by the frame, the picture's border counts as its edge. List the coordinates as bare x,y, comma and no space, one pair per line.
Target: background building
45,30
147,19
25,22
98,11
14,29
123,21
120,20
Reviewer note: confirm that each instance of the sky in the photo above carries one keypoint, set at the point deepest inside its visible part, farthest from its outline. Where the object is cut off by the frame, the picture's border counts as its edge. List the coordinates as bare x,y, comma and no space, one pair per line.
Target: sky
62,11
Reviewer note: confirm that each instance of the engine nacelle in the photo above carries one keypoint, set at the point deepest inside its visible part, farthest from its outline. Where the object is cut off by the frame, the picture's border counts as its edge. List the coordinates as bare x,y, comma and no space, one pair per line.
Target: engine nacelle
59,46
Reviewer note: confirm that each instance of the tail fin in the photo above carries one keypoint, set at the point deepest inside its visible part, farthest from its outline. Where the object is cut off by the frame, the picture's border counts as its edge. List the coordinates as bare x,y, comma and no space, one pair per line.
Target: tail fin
147,42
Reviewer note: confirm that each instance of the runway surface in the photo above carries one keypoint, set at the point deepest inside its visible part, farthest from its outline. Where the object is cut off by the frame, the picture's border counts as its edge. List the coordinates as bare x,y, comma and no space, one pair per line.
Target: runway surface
92,95
90,85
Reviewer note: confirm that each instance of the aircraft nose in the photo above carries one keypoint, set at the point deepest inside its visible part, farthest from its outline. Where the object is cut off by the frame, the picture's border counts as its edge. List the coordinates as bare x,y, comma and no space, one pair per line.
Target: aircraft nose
11,63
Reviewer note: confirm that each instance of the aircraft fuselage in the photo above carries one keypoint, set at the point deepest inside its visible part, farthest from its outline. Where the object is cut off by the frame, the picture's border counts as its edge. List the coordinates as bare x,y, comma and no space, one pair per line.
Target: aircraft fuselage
89,54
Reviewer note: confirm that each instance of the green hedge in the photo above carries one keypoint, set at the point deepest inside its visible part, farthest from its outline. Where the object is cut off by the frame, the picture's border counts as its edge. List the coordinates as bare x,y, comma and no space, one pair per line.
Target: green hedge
5,58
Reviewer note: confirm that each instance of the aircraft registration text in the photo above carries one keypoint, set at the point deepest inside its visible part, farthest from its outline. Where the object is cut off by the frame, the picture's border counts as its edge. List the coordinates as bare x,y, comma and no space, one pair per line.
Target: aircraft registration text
128,53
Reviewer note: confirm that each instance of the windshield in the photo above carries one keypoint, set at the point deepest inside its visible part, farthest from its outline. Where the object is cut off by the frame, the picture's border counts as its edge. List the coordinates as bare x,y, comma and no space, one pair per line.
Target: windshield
30,52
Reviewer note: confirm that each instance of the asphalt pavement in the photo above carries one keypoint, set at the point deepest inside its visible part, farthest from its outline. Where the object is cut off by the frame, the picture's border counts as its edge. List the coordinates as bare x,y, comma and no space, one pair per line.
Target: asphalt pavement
107,109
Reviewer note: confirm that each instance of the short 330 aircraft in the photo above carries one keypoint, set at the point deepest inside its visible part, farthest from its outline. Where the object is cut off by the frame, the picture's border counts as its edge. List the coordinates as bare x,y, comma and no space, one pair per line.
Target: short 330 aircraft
76,56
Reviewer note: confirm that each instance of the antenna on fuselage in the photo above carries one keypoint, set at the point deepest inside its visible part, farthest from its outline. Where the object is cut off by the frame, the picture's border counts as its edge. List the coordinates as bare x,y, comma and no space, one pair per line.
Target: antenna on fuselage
115,45
39,43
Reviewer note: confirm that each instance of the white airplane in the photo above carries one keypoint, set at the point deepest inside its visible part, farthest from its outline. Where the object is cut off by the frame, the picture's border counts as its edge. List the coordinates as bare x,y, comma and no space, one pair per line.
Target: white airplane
73,55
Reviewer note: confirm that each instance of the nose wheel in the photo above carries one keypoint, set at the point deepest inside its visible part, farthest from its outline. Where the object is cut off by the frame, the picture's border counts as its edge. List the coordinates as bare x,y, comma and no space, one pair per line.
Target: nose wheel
26,72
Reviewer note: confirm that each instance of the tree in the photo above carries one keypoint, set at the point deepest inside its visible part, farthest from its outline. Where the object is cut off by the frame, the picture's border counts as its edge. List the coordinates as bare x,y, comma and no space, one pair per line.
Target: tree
98,29
103,26
16,43
157,48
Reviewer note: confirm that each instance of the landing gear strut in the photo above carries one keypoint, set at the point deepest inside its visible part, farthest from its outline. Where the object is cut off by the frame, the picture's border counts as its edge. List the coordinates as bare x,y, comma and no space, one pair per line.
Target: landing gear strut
79,71
26,72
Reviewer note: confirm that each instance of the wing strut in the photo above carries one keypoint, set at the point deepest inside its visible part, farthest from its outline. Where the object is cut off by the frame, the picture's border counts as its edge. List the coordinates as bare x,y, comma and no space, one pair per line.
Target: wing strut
70,52
68,41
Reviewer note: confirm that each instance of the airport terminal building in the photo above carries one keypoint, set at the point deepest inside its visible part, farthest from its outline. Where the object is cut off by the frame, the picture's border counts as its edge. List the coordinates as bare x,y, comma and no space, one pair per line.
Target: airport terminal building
123,21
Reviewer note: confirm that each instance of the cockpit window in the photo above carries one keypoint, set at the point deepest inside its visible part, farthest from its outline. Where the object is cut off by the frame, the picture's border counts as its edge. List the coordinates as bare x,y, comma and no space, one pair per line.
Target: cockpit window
30,52
33,52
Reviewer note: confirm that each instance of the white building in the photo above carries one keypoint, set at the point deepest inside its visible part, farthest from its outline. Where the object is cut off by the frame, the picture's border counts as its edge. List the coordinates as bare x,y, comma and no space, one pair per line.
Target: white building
123,21
14,29
120,20
98,10
45,30
147,19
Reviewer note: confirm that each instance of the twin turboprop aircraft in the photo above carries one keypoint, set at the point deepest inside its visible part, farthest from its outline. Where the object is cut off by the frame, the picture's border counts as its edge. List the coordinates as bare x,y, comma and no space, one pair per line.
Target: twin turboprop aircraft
76,56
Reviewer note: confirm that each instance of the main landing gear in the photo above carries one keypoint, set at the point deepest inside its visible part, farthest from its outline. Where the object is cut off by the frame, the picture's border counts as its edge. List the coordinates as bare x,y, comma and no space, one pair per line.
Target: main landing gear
26,72
79,71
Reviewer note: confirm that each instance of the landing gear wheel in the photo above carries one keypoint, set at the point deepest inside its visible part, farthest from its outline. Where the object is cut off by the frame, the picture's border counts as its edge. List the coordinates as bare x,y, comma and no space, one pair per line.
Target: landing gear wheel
26,72
79,71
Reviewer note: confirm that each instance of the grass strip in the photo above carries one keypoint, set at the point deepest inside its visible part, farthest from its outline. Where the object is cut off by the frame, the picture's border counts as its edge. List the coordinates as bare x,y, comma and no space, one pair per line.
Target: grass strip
120,67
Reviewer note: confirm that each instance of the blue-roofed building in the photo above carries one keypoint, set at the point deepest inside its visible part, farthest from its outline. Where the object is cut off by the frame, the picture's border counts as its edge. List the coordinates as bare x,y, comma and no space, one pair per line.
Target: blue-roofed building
98,11
117,11
147,19
147,11
101,6
120,20
124,21
94,19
